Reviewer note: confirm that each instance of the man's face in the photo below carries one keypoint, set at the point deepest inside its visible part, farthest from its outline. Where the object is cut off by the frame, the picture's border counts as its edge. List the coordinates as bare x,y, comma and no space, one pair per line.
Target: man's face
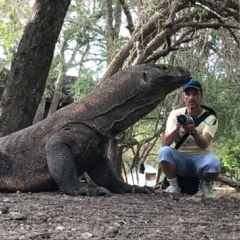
192,97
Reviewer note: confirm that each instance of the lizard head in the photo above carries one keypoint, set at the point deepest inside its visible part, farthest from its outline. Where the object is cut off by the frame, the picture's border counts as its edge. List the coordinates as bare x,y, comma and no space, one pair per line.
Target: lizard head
128,95
142,88
164,75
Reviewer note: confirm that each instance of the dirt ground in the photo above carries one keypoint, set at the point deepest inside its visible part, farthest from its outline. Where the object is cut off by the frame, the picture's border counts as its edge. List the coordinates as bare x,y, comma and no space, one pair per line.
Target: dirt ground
129,216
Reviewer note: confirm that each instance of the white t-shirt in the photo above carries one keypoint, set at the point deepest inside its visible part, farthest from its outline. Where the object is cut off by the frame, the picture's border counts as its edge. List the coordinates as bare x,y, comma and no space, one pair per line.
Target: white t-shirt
189,147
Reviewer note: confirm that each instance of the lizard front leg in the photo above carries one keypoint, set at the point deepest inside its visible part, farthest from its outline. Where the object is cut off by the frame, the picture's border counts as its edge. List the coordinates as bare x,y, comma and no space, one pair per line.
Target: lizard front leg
62,167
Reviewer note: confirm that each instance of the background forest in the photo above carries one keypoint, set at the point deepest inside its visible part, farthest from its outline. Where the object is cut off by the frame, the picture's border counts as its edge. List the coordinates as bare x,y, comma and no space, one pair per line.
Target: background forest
55,52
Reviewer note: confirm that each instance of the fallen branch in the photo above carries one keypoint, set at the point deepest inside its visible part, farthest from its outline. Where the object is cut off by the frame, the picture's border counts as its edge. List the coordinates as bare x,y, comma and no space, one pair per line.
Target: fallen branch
229,182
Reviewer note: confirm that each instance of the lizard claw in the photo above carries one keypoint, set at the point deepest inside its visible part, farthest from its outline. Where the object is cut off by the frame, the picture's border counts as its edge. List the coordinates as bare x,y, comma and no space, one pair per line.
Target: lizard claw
81,192
146,190
100,191
152,191
127,188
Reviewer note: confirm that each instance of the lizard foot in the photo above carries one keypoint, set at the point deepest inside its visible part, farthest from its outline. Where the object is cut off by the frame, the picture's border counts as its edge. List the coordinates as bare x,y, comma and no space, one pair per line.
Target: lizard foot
127,188
83,191
99,191
137,189
146,190
89,191
152,191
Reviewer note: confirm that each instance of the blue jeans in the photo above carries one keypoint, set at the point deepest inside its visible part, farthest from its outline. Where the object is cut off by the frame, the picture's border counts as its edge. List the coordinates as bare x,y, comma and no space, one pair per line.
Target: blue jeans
190,166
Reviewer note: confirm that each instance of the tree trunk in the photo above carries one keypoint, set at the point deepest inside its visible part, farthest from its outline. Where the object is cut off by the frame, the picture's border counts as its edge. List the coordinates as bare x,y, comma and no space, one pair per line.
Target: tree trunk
57,93
30,66
40,111
112,30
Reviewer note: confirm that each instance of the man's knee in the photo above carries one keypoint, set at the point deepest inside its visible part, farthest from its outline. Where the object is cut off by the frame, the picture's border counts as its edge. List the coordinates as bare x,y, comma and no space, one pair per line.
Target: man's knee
167,155
165,150
213,165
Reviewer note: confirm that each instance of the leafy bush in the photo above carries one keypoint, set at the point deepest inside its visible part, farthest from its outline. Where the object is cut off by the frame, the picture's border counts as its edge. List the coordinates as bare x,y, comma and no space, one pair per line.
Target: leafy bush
83,85
229,155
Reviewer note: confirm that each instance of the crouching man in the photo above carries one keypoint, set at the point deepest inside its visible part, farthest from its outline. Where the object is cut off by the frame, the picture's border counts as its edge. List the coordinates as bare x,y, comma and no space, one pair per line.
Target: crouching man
193,158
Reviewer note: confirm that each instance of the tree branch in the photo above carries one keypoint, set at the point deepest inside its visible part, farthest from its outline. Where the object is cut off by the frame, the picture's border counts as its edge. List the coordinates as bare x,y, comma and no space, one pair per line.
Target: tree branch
229,182
148,38
127,12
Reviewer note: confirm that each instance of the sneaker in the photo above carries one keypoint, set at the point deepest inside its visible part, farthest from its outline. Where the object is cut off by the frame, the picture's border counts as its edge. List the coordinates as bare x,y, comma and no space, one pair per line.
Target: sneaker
200,192
172,189
206,190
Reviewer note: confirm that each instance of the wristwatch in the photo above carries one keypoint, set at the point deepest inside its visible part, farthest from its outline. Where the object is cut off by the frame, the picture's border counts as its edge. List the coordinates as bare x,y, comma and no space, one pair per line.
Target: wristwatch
193,132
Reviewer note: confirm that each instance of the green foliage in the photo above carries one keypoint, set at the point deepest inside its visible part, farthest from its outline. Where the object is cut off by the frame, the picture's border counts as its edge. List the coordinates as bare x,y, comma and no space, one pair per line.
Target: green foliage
79,28
83,85
82,39
55,68
214,34
12,22
221,92
229,155
48,92
153,6
200,11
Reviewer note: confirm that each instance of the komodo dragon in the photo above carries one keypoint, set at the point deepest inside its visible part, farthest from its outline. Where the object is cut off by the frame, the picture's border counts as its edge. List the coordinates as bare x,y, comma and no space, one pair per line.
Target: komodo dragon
52,154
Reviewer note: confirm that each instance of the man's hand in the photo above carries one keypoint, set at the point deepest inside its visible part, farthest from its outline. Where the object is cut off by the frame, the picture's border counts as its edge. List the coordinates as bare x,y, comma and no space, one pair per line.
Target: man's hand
170,136
189,127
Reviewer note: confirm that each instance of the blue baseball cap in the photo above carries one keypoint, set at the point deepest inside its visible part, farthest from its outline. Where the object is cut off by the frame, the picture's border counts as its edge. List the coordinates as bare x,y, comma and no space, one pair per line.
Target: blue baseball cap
193,84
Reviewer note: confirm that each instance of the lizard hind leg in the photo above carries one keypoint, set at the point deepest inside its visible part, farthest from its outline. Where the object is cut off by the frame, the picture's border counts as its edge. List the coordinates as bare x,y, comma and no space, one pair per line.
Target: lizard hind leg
104,175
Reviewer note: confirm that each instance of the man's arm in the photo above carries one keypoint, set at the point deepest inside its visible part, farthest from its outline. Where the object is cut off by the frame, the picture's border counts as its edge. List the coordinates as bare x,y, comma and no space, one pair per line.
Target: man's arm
202,140
171,135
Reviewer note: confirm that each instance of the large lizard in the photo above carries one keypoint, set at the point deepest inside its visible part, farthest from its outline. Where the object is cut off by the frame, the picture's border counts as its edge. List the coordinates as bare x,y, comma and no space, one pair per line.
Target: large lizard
52,154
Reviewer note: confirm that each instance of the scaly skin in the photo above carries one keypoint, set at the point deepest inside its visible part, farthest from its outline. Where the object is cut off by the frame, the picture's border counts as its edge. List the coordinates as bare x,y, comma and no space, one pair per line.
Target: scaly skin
52,154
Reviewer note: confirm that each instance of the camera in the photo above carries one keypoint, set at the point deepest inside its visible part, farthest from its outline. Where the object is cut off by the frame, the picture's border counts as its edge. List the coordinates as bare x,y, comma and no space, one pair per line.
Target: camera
185,119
